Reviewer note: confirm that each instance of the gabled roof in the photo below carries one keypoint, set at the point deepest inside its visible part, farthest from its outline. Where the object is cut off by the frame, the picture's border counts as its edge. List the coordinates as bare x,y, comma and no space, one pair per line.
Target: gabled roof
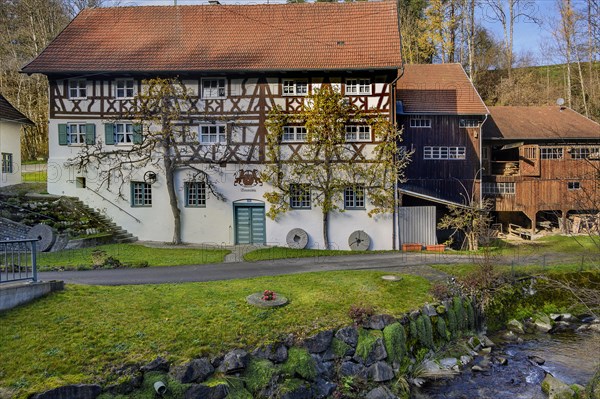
227,38
541,122
438,89
10,113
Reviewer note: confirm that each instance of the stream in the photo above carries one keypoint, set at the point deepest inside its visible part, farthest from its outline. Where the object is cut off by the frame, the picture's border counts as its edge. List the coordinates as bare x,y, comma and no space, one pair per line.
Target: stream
571,357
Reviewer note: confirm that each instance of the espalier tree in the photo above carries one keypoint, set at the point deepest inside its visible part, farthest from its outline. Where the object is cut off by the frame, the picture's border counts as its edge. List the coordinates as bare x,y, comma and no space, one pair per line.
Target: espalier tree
326,164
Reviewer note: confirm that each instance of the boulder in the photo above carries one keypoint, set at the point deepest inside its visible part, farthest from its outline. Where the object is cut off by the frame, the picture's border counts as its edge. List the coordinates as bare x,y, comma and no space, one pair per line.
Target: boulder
561,326
429,310
543,323
555,316
350,369
502,360
568,317
486,351
324,389
195,371
83,391
515,326
277,353
158,364
319,342
594,327
199,391
376,353
448,362
381,392
478,368
536,360
486,342
464,360
379,322
380,372
234,361
348,335
302,391
509,336
556,389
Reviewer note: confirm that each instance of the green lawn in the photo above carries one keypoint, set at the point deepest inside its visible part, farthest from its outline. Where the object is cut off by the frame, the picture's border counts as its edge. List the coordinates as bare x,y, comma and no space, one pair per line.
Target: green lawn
461,270
133,255
35,177
285,253
80,334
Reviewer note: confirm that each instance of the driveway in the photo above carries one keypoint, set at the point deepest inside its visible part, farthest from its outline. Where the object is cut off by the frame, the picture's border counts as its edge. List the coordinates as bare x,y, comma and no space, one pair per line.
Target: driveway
395,262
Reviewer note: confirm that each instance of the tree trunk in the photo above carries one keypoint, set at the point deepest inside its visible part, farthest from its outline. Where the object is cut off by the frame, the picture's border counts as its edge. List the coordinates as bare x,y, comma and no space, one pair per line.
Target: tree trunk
326,230
471,40
170,177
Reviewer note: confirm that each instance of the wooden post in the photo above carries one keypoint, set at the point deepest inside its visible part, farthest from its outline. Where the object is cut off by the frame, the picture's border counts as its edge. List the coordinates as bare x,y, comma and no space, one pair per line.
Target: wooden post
565,228
533,223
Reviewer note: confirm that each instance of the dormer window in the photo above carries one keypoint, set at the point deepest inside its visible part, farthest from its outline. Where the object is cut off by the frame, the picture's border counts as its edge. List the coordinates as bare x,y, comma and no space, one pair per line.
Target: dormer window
124,89
358,86
77,89
295,87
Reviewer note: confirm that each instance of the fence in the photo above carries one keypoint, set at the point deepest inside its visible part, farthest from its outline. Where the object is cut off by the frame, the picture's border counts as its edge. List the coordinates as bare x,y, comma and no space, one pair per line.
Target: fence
18,260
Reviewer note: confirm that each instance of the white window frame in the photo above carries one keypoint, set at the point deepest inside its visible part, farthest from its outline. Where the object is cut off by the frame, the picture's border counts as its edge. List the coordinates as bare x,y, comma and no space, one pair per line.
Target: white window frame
125,92
358,87
468,123
207,132
583,152
141,194
358,133
78,137
77,89
294,134
300,196
552,153
354,197
573,185
499,188
419,122
217,91
294,87
126,132
458,153
195,194
7,162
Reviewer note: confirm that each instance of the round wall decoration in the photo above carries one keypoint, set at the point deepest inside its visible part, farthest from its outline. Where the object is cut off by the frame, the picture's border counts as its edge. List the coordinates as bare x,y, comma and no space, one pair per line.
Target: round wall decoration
359,241
297,239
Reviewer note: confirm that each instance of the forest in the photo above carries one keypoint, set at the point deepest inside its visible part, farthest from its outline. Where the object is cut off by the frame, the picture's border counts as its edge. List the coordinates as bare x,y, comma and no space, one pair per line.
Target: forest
433,31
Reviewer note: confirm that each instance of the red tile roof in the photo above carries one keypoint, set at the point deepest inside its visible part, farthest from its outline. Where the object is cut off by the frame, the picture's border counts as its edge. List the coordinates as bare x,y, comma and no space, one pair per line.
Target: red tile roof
544,122
10,113
309,36
438,89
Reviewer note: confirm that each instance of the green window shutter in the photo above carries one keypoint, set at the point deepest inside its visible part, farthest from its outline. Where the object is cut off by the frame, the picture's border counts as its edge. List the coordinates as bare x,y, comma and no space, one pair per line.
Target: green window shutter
90,134
62,134
137,133
109,133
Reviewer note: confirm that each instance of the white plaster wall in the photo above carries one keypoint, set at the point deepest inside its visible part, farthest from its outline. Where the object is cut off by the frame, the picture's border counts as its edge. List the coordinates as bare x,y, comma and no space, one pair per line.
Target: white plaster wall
10,142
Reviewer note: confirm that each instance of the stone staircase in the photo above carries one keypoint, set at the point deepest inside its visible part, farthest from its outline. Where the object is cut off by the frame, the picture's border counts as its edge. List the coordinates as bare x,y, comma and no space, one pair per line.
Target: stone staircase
120,235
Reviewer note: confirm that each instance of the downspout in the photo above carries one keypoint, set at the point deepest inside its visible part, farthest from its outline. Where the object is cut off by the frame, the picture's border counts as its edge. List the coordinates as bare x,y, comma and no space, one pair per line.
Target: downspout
481,160
394,122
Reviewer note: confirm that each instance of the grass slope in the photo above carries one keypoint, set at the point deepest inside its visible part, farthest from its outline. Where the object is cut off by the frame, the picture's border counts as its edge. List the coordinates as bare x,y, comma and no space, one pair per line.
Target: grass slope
71,336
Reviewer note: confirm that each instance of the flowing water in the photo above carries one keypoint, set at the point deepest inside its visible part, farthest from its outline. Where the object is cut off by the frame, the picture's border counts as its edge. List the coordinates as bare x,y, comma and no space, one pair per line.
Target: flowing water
571,357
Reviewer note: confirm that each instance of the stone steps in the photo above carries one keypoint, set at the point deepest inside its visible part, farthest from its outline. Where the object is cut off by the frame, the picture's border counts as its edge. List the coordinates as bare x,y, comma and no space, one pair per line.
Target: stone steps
120,235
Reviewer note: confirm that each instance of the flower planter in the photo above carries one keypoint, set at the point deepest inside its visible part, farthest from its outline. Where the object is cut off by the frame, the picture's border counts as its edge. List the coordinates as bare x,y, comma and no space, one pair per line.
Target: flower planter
256,300
412,247
435,248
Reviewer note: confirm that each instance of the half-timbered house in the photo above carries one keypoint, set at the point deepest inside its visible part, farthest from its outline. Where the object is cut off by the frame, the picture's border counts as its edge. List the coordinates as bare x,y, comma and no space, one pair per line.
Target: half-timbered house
541,164
11,121
238,62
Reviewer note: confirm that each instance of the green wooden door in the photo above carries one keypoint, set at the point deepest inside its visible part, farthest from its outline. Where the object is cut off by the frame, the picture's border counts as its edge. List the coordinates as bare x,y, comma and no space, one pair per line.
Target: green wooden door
250,224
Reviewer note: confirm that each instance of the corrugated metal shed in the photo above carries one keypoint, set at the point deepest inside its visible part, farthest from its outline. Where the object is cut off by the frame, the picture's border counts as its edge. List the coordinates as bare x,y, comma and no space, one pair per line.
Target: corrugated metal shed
416,224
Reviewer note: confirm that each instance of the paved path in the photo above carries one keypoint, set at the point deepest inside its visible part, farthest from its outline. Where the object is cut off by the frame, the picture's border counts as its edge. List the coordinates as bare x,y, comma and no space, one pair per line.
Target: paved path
395,262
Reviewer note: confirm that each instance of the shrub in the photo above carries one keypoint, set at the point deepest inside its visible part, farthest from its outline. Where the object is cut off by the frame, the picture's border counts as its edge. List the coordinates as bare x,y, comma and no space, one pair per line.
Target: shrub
360,313
469,314
442,330
394,338
440,291
452,322
459,311
424,331
413,330
300,362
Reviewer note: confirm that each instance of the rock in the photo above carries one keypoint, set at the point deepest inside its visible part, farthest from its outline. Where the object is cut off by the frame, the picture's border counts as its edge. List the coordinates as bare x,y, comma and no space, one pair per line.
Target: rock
587,319
502,360
561,326
322,368
583,327
594,327
555,316
376,353
529,326
478,369
556,389
509,336
277,353
199,391
348,335
381,392
234,361
319,342
379,322
486,351
430,369
126,387
486,342
414,314
536,359
568,317
158,364
475,343
303,391
429,310
195,371
83,391
350,369
542,326
324,389
380,372
515,326
448,362
329,355
464,360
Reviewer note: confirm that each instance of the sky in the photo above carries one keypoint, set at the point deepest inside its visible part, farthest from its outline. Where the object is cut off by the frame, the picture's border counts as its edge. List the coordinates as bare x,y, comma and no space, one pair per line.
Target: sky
529,37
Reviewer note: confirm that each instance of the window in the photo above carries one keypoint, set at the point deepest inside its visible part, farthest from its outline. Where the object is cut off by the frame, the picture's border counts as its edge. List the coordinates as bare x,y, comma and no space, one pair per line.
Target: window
419,122
295,88
76,133
469,123
585,152
124,89
77,89
141,194
213,88
358,86
212,134
300,196
358,133
354,197
293,134
573,185
7,162
434,152
123,133
551,153
485,153
195,194
499,188
80,182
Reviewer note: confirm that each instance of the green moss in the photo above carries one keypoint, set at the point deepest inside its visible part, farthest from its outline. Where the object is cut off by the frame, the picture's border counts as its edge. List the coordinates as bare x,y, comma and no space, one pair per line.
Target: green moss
339,347
366,342
258,374
442,330
299,362
175,389
413,330
459,311
452,323
290,385
425,331
441,309
469,314
394,338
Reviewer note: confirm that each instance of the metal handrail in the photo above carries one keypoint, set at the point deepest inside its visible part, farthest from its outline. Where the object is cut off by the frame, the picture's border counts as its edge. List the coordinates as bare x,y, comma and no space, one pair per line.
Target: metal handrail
113,204
18,251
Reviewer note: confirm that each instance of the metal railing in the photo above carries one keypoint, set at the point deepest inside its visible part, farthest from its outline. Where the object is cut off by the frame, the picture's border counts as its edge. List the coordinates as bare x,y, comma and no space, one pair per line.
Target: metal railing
18,260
